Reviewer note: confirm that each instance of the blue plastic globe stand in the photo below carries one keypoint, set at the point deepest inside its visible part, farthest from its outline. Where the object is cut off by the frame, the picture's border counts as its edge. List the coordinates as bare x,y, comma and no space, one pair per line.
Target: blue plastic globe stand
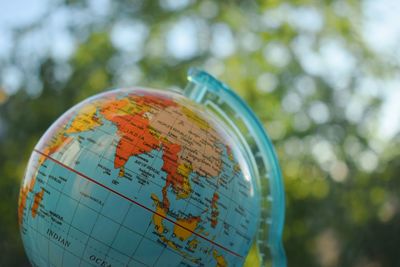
259,153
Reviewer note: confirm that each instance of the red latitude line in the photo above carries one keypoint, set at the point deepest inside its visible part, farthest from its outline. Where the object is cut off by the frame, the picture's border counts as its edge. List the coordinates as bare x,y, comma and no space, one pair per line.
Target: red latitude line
137,203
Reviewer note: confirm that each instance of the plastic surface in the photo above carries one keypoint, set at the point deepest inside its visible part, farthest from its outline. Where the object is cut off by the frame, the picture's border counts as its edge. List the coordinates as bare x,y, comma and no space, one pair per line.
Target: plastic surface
258,152
134,177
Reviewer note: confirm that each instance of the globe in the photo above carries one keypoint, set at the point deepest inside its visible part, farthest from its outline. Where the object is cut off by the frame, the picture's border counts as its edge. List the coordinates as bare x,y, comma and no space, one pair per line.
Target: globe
138,177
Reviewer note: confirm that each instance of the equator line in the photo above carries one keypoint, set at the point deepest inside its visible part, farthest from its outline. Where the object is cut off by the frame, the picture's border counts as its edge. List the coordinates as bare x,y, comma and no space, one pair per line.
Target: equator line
135,202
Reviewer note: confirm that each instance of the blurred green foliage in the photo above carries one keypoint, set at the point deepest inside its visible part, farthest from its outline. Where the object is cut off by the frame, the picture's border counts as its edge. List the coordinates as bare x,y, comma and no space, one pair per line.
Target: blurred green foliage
341,178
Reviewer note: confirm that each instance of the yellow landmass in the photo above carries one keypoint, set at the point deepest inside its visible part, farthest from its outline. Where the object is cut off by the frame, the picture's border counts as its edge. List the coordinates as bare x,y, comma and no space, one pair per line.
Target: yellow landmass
121,172
195,118
183,253
193,244
236,168
85,120
159,215
179,231
221,262
184,170
169,243
157,134
119,107
184,228
57,140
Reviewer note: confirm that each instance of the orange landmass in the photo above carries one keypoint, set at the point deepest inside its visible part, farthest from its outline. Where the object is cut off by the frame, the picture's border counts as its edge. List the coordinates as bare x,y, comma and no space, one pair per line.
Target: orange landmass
158,218
23,194
184,228
221,262
229,152
54,139
128,114
214,210
55,142
36,202
170,166
189,145
135,138
179,126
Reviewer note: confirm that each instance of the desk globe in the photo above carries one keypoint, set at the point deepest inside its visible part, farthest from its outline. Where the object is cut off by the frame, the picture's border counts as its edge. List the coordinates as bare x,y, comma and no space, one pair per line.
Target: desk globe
144,177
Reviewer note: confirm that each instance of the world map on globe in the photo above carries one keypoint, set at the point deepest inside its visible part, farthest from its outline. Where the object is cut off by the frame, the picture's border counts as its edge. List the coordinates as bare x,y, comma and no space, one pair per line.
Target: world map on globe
137,177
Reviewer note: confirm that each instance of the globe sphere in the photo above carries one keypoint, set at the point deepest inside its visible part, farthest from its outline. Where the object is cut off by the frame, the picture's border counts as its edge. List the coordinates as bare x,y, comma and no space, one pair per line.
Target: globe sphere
138,177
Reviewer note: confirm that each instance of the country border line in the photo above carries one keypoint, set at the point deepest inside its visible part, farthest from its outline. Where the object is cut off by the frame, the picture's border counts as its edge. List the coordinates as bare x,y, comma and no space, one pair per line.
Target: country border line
135,202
